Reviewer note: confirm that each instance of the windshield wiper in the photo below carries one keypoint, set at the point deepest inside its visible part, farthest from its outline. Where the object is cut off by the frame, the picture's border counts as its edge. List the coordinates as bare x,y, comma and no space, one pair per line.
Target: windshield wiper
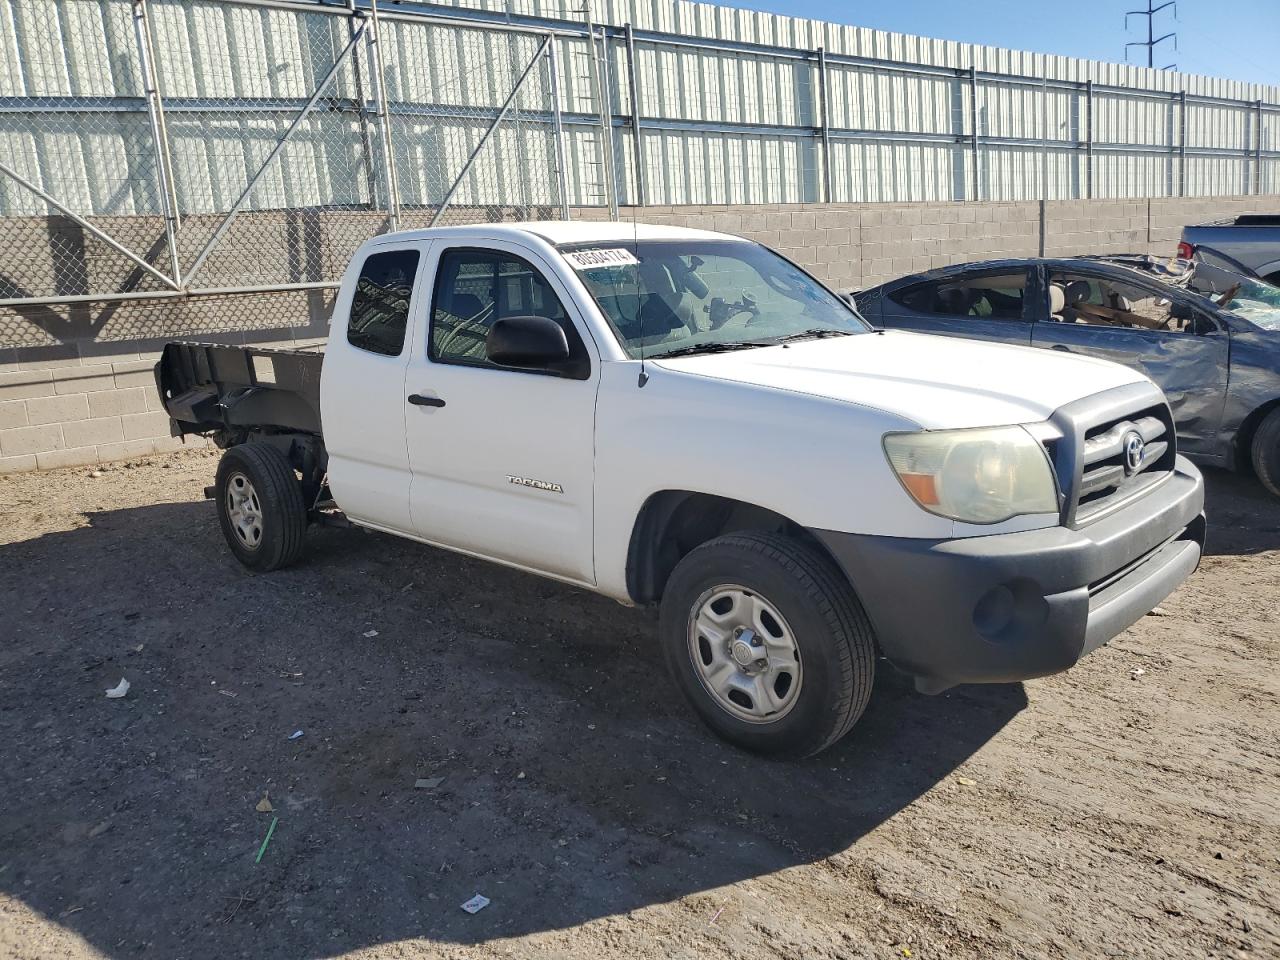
715,346
816,333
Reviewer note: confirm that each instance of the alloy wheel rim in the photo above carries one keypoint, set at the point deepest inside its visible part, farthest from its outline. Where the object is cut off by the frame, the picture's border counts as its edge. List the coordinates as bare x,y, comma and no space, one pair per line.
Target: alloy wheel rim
244,510
745,654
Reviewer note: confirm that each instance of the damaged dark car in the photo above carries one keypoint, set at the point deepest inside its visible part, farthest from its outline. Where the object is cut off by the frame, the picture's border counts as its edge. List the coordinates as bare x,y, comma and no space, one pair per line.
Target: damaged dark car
1212,343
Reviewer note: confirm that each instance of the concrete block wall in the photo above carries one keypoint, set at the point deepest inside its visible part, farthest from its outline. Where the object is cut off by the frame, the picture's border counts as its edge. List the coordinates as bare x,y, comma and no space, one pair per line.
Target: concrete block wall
76,383
860,245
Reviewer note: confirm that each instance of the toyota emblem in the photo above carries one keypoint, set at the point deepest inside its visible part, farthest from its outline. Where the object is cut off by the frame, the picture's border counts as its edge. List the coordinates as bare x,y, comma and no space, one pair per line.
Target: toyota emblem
1135,450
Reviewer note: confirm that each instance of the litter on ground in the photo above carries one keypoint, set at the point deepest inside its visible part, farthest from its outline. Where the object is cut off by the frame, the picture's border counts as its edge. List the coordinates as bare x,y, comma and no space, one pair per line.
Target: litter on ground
119,690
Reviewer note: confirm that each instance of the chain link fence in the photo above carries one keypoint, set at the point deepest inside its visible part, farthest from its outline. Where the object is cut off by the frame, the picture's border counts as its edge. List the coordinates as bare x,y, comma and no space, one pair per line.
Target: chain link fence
168,148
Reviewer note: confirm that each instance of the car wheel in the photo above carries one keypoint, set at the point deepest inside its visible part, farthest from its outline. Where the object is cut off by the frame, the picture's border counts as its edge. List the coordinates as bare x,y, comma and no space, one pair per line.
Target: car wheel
260,506
769,644
1265,451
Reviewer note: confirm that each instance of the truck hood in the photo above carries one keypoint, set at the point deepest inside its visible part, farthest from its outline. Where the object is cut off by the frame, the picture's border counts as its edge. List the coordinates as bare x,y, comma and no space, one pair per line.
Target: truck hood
936,382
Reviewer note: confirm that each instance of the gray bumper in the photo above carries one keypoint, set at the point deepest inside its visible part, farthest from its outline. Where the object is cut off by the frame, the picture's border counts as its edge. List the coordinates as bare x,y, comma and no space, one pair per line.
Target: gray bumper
1009,607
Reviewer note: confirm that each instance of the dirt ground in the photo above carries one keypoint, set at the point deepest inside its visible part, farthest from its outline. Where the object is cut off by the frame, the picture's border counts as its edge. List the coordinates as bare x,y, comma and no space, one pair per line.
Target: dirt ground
1129,808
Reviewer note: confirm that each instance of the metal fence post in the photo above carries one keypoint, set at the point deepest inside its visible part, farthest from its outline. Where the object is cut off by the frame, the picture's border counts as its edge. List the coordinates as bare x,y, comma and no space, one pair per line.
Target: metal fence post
606,120
825,107
379,89
362,105
636,143
1088,139
562,173
1257,147
159,136
973,129
1182,143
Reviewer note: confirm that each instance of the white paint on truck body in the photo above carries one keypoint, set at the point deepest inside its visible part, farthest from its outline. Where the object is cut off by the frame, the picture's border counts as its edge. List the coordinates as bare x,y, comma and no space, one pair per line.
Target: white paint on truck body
797,429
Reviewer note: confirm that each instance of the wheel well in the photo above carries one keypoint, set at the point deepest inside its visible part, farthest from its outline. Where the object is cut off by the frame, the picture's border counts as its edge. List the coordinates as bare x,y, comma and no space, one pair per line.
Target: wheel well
673,523
1244,436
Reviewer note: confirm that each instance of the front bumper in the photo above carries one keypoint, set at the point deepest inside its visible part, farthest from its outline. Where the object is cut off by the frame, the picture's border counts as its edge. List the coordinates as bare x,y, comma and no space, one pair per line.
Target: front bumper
1008,607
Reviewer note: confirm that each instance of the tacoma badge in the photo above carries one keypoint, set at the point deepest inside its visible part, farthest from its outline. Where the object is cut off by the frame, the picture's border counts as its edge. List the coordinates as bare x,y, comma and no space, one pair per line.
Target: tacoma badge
536,484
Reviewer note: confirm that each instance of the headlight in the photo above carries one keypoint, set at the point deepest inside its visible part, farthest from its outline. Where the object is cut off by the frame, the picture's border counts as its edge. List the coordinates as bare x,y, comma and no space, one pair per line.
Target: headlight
975,476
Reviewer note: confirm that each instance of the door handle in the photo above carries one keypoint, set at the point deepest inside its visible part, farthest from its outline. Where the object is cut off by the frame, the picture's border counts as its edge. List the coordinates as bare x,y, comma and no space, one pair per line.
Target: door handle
418,400
1063,347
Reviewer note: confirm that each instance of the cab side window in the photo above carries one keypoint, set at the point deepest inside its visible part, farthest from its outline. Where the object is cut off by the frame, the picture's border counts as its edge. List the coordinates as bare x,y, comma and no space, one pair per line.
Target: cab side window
998,297
475,288
380,305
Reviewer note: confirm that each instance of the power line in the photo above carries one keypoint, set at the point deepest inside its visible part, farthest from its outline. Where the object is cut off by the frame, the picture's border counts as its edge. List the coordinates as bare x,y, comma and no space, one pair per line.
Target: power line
1152,39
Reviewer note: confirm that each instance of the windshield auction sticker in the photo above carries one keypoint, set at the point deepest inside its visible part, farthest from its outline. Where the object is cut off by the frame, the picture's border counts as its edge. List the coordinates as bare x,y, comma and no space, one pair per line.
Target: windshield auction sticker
590,259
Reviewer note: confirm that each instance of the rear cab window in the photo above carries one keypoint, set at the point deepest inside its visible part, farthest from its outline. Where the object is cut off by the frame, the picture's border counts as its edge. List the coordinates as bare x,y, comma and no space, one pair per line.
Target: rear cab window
380,305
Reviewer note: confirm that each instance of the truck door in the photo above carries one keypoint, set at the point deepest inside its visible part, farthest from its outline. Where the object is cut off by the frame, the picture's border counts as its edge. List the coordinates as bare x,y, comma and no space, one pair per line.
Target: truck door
502,459
1152,329
362,385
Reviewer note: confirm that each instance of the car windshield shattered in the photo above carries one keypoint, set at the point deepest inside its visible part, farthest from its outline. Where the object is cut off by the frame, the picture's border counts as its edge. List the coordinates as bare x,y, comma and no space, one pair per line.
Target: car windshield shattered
674,297
1255,300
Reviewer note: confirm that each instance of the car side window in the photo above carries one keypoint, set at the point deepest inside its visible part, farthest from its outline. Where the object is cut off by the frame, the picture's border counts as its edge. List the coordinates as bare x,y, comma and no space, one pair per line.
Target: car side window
380,304
993,296
475,288
1104,302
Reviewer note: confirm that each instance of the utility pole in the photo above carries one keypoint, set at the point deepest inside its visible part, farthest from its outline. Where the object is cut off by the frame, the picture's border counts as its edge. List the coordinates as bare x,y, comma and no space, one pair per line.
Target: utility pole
1152,39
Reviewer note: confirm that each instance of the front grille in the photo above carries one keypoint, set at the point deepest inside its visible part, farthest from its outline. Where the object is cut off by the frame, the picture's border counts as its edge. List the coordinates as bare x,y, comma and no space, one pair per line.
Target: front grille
1114,447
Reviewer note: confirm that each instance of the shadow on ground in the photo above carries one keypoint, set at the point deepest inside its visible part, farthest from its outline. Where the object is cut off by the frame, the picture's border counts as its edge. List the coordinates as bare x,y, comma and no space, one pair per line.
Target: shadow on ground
1244,518
573,786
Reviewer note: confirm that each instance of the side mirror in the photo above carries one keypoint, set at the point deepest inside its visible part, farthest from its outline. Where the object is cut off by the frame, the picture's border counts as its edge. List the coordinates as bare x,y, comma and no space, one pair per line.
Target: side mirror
527,343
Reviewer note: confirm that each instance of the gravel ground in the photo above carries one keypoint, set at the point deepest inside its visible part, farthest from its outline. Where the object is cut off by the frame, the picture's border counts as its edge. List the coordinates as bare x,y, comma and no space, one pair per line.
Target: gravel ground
1129,808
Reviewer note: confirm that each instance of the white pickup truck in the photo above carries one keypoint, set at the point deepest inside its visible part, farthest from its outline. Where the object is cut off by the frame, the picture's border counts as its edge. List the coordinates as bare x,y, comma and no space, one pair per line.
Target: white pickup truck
686,419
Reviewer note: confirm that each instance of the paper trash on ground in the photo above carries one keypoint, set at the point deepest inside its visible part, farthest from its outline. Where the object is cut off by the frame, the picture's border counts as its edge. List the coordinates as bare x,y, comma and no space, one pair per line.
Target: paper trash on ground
119,690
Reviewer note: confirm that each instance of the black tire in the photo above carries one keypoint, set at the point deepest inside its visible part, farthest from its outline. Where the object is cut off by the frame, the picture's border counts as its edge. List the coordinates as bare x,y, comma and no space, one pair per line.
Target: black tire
275,494
829,627
1265,451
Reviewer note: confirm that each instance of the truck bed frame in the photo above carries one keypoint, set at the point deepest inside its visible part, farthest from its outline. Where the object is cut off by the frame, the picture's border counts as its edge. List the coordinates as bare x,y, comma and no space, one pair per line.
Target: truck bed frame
234,394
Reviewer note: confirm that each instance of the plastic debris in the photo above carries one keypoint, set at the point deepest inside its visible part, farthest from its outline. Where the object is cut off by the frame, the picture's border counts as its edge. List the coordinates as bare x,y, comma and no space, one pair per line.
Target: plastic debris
966,781
295,735
476,904
229,693
119,690
370,634
267,839
520,775
138,648
429,783
1136,672
264,805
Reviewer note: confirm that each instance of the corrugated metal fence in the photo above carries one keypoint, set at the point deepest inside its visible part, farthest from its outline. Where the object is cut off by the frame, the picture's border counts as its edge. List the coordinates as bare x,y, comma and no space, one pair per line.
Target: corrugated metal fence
155,148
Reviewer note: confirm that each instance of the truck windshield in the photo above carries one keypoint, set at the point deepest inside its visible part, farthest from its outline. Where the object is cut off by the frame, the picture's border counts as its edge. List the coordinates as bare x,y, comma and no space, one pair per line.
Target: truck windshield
692,296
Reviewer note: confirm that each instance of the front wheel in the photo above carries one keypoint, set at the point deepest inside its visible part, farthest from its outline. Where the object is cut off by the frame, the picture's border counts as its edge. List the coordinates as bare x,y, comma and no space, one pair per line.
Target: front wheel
260,506
1265,451
768,642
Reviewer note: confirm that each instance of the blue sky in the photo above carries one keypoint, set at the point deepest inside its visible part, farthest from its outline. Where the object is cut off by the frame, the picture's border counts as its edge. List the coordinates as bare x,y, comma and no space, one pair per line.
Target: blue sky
1239,39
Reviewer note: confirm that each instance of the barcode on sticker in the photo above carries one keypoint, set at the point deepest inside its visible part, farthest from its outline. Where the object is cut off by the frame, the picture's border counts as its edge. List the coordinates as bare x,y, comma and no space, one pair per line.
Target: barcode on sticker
613,257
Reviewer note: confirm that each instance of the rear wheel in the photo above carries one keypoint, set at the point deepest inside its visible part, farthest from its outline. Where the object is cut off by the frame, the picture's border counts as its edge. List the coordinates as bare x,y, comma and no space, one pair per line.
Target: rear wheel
1265,451
767,641
260,506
